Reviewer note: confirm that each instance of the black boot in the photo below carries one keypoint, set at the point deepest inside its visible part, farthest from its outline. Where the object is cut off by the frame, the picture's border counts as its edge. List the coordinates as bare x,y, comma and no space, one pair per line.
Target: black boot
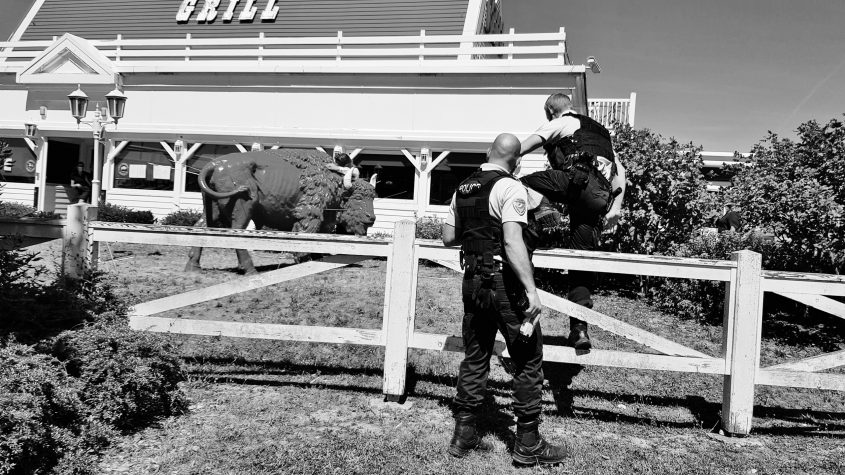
578,336
466,436
531,448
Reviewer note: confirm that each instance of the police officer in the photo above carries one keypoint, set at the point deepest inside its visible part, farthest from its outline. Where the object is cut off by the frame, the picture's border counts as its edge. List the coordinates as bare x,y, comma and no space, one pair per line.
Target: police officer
587,177
487,217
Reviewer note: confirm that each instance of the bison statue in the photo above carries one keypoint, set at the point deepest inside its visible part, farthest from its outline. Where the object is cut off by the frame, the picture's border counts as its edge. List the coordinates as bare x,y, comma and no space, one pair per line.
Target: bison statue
300,190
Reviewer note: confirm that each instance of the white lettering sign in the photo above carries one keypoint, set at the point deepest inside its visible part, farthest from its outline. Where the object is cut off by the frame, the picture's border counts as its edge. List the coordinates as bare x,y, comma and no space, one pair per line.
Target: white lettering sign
185,10
270,12
209,11
248,13
230,12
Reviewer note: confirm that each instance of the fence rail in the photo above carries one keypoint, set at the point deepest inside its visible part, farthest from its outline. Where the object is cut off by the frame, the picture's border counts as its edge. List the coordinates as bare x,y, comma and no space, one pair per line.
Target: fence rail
192,53
745,283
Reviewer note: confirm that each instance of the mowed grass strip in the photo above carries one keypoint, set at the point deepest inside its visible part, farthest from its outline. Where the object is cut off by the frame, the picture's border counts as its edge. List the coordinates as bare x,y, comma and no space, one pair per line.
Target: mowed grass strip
288,407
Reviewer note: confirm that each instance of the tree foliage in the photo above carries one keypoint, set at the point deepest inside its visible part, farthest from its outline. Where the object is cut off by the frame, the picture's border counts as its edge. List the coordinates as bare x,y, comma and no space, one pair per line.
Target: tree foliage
666,198
796,190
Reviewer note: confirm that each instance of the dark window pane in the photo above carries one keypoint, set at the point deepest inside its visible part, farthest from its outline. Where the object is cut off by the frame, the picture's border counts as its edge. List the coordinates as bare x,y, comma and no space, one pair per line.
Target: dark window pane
396,175
19,167
143,166
450,173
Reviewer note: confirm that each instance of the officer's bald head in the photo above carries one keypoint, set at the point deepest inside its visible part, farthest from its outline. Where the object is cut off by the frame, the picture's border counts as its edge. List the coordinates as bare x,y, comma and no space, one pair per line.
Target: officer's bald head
504,151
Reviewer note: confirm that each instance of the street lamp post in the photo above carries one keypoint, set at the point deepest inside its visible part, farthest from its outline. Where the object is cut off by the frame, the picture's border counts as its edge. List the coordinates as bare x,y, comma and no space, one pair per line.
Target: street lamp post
116,101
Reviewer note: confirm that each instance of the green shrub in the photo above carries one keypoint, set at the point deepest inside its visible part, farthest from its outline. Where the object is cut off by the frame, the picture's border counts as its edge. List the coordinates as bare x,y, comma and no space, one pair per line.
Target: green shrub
13,209
796,189
42,418
182,217
666,197
121,214
127,378
34,310
703,299
429,228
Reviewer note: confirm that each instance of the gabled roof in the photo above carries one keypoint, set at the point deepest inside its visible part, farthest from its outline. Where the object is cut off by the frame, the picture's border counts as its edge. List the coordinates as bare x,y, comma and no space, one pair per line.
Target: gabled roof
69,60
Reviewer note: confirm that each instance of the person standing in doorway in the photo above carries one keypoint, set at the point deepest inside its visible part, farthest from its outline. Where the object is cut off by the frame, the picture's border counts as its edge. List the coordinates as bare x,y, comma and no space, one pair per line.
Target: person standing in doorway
80,181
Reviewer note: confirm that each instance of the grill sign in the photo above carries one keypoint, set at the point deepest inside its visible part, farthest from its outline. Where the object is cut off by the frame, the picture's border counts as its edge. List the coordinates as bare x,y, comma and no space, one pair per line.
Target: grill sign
208,11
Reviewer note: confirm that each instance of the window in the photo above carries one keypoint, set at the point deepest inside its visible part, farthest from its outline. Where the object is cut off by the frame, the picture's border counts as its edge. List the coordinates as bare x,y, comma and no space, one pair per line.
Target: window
201,157
396,175
143,166
449,173
18,167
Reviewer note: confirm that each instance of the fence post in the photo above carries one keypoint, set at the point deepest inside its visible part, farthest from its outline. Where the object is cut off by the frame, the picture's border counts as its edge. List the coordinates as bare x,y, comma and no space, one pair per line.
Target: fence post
743,322
399,307
92,248
75,242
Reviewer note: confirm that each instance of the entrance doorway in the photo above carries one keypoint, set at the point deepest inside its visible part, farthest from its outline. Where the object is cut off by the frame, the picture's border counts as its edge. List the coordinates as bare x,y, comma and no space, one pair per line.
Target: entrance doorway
62,157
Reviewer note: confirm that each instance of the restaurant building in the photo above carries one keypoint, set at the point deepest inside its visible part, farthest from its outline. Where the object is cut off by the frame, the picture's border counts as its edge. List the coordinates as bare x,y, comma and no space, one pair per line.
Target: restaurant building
415,90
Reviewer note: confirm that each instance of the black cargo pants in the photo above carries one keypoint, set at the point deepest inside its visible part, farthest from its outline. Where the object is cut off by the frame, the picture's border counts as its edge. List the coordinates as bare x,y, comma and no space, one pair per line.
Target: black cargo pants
587,196
479,333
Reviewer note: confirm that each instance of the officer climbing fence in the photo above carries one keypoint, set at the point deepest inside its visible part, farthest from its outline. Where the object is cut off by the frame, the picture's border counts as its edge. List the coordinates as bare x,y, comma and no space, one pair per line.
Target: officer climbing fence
744,279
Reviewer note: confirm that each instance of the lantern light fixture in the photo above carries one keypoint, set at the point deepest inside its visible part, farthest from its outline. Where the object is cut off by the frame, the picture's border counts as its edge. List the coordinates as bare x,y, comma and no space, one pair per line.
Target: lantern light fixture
117,104
78,101
31,130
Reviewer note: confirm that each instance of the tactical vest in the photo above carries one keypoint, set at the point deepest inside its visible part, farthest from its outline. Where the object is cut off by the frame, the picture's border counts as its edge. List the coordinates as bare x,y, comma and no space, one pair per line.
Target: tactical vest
590,140
481,233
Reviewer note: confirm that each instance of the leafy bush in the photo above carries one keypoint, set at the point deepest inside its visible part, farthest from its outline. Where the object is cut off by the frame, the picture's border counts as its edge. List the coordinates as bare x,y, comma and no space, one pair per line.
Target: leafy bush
121,214
666,197
15,210
127,378
34,310
19,210
182,217
429,228
703,299
796,189
42,419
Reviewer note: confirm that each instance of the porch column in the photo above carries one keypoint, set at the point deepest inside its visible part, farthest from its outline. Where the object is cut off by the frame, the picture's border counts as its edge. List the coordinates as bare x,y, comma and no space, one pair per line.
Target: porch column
41,176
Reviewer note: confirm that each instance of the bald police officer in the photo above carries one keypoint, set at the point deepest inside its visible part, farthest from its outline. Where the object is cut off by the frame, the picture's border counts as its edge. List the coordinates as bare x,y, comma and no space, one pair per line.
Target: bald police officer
487,217
588,177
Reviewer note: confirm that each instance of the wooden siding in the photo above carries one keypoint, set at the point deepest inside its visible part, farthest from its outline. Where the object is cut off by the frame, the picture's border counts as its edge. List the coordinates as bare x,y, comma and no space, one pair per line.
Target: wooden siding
105,19
17,192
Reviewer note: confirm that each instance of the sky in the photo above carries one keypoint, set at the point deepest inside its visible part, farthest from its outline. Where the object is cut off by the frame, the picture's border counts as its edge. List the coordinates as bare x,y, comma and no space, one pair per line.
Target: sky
718,73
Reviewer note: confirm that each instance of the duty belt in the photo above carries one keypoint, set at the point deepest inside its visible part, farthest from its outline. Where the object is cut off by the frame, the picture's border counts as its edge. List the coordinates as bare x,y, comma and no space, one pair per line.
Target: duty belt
475,264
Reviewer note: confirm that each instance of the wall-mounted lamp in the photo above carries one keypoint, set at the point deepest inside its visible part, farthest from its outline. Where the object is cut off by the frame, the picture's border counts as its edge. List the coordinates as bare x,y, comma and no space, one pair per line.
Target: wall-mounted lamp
43,111
337,151
30,130
178,146
593,64
425,158
256,147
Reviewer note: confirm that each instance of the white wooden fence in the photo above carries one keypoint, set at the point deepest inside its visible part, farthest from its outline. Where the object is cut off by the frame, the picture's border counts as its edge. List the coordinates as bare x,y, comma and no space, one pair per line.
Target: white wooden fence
738,361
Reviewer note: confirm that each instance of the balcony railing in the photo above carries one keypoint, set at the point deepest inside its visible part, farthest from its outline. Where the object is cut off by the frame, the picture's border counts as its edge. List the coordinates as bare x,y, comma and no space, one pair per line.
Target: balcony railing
610,111
317,54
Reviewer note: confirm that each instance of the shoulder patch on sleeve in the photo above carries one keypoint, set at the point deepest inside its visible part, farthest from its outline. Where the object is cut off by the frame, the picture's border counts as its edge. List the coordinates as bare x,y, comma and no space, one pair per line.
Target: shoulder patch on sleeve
519,206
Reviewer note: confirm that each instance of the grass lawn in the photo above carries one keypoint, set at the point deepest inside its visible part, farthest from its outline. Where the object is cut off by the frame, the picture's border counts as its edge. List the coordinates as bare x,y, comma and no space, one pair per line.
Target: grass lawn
298,408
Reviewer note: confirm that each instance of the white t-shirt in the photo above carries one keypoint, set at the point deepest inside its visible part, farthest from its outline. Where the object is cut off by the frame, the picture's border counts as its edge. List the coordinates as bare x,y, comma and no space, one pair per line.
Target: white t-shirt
561,127
509,200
